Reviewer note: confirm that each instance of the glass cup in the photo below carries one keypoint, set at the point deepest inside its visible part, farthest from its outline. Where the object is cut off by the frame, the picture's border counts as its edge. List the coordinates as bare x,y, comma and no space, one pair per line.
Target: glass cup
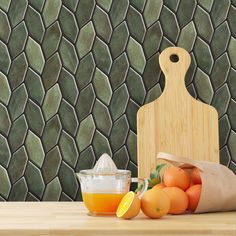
102,193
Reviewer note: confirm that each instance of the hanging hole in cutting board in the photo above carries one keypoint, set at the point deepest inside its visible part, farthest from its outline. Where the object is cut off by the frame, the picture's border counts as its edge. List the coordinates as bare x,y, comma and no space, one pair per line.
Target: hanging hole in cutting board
174,58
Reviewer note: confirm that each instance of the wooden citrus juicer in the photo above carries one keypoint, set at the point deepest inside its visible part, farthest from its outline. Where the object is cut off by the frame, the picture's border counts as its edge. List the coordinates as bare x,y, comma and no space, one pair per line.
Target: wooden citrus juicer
176,123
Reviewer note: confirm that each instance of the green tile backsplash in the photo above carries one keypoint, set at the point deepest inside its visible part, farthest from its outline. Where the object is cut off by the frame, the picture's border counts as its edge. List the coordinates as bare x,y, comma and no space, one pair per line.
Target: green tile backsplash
73,75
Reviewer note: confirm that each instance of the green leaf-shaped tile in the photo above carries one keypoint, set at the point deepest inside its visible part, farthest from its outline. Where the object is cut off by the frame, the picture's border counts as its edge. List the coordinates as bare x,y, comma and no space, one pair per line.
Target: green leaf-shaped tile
52,159
187,36
207,4
68,117
224,156
232,113
52,101
34,24
136,55
86,160
203,24
67,83
17,11
232,19
221,99
85,71
34,180
185,12
102,55
18,39
119,102
34,117
35,55
34,149
171,30
51,133
4,152
34,86
203,55
119,39
17,133
191,70
220,39
152,71
68,55
118,11
152,39
232,83
119,133
50,11
71,4
51,39
220,71
17,71
135,86
102,86
152,11
85,39
131,144
203,86
5,59
219,11
121,158
5,91
224,129
19,191
153,93
52,191
102,24
84,11
68,149
136,24
85,102
68,180
17,165
68,24
17,102
51,71
102,117
5,28
5,122
85,133
5,185
101,144
231,51
131,112
119,71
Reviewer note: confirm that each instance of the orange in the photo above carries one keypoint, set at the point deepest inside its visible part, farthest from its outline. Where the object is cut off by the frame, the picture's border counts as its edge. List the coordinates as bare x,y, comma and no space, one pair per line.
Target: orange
195,176
194,193
176,177
159,186
155,203
178,200
129,206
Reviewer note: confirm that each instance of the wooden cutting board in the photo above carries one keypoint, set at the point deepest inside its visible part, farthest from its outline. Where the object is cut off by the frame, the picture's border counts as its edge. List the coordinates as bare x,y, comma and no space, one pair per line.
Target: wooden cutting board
176,123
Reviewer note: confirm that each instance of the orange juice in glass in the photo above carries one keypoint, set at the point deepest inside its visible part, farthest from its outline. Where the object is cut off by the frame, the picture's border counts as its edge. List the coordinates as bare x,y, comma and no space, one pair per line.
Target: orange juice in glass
102,192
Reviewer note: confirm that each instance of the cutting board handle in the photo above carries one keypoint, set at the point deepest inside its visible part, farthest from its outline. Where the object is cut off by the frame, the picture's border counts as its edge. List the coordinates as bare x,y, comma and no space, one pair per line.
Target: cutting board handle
174,62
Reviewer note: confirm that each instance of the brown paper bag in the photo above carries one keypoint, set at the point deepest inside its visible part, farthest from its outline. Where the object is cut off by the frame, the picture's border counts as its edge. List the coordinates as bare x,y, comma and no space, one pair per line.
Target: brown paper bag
218,183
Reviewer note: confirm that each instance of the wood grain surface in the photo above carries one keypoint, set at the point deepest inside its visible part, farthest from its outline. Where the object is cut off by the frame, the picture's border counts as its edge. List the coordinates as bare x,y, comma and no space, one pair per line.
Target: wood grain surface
70,218
176,123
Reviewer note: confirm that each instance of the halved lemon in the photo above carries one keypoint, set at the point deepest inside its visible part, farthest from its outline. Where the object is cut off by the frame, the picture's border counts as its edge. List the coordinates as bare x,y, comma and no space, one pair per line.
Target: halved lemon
129,206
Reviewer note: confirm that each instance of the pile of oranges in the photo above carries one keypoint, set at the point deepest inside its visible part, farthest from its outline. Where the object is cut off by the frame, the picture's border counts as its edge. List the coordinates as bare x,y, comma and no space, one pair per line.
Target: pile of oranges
179,192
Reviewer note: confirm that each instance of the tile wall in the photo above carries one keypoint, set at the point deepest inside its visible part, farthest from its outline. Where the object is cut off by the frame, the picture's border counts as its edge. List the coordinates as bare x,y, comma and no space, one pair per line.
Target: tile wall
74,73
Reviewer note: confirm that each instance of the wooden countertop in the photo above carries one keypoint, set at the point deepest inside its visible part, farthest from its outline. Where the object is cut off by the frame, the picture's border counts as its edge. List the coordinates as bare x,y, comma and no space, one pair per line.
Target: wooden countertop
70,218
